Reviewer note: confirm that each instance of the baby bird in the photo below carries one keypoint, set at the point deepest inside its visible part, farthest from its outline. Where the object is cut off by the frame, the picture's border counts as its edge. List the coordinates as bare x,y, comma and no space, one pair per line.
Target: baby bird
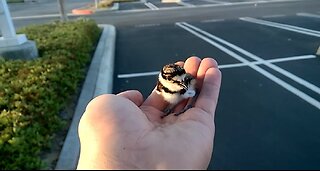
175,85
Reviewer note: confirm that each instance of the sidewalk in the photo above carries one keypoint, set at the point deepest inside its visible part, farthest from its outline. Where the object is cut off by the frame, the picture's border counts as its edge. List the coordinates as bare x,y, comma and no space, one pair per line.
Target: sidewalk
98,81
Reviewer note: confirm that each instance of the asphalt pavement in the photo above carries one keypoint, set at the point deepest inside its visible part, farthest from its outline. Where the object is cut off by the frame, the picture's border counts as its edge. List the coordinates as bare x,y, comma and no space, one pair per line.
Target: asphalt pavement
268,112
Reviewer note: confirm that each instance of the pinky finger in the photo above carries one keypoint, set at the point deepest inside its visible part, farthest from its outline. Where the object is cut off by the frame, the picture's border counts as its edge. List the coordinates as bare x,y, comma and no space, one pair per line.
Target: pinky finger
208,97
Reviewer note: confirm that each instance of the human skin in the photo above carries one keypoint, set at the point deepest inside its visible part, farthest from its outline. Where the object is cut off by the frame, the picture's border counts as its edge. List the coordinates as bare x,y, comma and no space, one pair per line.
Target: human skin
124,131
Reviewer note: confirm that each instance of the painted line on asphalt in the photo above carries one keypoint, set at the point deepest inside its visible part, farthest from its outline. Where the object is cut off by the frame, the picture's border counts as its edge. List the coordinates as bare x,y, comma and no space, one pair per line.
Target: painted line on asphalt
186,4
245,3
217,2
308,15
208,5
211,20
151,6
254,57
293,58
209,38
146,25
274,16
282,26
140,74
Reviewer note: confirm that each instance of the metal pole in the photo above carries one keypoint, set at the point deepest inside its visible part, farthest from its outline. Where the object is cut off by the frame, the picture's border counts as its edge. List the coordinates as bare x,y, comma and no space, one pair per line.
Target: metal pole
63,15
96,2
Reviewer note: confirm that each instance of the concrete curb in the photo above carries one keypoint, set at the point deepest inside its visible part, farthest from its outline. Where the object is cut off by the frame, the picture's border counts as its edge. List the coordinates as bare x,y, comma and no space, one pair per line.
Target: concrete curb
105,81
98,81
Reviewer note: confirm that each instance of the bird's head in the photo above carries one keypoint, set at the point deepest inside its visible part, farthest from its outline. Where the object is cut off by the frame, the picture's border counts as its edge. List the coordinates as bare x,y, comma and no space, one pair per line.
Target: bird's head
173,72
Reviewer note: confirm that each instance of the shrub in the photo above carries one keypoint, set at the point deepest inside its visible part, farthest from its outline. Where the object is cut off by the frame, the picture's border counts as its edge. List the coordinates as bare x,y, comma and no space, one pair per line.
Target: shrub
32,93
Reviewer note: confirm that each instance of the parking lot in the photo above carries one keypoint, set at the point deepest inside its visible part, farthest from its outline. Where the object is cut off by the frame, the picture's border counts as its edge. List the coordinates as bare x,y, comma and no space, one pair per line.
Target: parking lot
269,106
157,4
268,112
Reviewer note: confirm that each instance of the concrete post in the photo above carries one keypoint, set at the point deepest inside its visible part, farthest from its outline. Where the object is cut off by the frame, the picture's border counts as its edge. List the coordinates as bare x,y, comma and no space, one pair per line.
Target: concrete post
9,37
13,46
6,26
96,3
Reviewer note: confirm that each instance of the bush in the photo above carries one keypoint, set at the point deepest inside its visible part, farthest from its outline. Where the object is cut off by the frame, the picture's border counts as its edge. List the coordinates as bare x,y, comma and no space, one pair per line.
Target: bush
32,93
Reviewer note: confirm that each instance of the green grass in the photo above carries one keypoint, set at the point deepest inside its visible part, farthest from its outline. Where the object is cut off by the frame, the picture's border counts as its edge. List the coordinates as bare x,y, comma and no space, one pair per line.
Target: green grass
34,92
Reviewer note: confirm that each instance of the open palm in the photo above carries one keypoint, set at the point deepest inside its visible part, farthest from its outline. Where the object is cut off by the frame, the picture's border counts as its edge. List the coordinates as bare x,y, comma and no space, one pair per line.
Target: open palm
125,132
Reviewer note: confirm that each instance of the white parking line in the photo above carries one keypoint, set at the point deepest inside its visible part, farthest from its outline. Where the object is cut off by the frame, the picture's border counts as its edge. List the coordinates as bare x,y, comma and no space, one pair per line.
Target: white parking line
151,6
274,16
146,25
210,39
308,15
245,2
254,57
186,4
217,2
211,20
141,74
283,26
293,58
269,61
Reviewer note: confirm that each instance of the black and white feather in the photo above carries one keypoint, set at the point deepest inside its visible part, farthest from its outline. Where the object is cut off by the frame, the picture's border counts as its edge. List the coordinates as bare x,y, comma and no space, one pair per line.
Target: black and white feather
175,85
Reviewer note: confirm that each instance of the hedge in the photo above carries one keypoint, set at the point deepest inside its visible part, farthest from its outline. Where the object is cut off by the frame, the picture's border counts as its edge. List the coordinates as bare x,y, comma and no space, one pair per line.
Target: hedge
34,92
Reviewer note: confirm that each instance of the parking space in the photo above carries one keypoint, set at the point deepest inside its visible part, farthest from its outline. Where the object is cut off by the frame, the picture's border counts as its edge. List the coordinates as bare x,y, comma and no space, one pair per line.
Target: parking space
167,5
271,45
305,20
265,41
132,6
199,2
261,125
146,5
304,69
268,111
141,50
137,42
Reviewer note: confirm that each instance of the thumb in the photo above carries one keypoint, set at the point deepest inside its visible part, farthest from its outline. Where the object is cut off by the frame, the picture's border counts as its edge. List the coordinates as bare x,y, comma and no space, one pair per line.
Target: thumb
133,95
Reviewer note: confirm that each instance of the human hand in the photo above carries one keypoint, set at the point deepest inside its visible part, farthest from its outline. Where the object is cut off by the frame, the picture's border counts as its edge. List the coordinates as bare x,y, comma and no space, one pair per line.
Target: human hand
125,132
